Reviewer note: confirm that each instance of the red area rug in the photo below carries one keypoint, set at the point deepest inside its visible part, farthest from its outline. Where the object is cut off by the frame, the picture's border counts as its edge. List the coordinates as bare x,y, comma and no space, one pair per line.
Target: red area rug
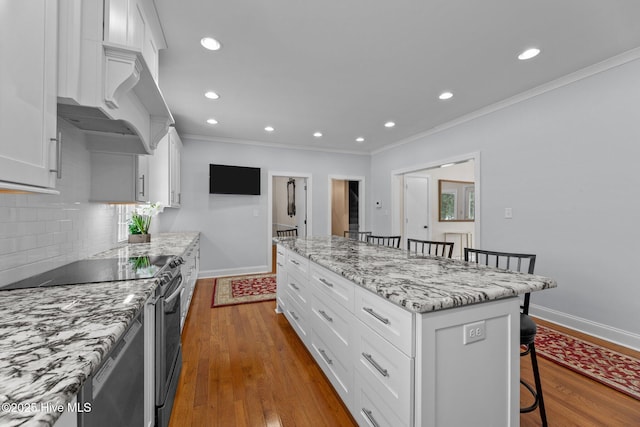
616,370
243,289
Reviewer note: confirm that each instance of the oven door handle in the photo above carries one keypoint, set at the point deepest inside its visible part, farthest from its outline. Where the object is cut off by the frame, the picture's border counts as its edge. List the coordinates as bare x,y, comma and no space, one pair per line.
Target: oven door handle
176,293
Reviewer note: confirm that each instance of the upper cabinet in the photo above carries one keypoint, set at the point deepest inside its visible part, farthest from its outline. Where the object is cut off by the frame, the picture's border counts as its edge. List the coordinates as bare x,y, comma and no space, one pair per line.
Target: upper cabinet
30,148
108,72
164,168
119,178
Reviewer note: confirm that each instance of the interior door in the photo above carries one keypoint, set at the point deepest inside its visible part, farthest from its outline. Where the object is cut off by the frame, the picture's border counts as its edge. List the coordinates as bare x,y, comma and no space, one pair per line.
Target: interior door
301,206
416,207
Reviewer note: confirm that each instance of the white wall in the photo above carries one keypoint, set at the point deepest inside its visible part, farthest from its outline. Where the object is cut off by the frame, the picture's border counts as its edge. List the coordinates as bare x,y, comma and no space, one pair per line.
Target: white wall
235,228
564,161
39,232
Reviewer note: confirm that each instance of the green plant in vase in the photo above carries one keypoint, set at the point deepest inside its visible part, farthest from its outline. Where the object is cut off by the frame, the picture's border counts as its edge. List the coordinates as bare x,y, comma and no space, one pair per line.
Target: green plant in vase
141,221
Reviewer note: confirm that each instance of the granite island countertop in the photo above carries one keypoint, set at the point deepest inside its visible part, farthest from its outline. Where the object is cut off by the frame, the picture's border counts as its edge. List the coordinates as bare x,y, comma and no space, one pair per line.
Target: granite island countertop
52,339
417,283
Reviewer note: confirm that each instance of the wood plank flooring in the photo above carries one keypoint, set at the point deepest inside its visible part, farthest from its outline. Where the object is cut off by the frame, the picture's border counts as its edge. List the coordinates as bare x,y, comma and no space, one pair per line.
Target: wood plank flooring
245,366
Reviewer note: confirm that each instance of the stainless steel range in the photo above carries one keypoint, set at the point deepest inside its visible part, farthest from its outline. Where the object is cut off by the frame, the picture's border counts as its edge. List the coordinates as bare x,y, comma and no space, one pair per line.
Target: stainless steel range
108,388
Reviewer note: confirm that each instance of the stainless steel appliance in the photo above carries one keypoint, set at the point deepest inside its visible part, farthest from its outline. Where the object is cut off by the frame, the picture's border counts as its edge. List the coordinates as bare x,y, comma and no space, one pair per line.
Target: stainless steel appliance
168,347
114,395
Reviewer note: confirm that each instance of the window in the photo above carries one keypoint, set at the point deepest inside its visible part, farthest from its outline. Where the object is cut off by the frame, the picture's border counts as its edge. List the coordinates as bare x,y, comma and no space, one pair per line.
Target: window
123,213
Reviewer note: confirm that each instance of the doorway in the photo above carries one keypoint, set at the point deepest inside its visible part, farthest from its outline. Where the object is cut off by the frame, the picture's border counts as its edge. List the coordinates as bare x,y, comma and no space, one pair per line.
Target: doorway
409,201
289,199
346,205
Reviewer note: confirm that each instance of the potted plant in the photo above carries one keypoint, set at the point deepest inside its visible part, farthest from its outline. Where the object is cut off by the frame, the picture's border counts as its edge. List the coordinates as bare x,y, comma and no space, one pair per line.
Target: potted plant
141,220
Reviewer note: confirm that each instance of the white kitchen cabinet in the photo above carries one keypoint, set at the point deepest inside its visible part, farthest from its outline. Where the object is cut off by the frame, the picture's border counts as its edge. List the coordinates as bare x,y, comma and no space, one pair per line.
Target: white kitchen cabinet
165,170
119,178
30,149
393,367
189,271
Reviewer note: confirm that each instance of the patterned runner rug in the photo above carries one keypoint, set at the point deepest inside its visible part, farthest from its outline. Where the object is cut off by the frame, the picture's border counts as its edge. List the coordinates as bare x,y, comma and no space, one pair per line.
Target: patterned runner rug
243,289
616,370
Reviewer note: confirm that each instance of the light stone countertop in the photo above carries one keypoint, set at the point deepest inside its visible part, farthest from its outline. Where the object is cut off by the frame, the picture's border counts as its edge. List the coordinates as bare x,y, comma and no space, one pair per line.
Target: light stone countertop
416,283
52,339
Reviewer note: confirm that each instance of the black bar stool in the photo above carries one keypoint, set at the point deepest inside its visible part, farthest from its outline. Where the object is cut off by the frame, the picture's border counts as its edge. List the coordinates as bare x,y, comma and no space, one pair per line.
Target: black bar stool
528,328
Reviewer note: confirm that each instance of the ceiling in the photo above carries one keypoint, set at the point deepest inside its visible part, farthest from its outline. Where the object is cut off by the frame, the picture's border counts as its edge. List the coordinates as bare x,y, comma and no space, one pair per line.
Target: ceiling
345,68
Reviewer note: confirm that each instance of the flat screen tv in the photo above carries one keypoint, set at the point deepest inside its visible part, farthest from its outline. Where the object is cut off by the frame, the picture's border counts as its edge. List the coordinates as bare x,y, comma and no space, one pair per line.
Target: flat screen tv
226,179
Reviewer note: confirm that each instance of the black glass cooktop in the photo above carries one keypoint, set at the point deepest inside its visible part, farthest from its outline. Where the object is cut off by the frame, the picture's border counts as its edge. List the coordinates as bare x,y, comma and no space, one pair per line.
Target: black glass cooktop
95,271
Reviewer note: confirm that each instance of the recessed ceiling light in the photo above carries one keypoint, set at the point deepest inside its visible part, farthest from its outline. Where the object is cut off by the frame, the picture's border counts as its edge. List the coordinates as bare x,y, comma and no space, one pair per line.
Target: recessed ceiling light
210,43
445,95
359,139
269,128
528,54
317,134
212,121
212,95
389,124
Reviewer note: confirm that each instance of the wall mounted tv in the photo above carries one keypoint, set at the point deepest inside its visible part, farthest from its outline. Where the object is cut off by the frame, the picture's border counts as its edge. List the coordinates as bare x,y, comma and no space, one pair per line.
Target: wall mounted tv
226,179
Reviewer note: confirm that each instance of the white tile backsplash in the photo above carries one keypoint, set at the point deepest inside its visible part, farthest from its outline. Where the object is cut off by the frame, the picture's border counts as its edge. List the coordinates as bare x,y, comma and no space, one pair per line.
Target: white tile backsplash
39,232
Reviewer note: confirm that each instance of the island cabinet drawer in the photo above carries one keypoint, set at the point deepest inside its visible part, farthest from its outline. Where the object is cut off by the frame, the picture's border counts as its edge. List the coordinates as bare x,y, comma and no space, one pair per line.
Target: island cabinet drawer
297,263
392,322
335,364
298,318
332,318
387,370
298,288
336,287
370,409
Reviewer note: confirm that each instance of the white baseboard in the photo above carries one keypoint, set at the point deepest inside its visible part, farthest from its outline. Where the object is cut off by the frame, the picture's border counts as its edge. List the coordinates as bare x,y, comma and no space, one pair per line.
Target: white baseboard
598,330
258,269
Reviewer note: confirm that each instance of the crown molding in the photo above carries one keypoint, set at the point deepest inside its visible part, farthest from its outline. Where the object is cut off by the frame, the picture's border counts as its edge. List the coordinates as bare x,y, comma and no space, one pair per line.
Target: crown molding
599,67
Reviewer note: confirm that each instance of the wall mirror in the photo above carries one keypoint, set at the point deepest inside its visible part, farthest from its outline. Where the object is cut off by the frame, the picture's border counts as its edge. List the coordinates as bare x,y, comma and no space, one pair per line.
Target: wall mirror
456,200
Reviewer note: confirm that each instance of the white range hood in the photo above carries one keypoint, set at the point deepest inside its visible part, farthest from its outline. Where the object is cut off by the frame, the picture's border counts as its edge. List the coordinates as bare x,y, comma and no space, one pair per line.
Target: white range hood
107,73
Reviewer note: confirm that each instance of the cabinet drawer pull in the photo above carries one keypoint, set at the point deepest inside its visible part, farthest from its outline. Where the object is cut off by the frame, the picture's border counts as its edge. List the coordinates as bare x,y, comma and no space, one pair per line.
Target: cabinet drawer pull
326,282
325,315
384,372
294,286
367,413
280,265
294,261
325,357
376,315
293,314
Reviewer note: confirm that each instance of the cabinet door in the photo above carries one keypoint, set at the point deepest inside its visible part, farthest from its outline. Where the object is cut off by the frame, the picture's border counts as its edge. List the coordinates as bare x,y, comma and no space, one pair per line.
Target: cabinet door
175,152
28,70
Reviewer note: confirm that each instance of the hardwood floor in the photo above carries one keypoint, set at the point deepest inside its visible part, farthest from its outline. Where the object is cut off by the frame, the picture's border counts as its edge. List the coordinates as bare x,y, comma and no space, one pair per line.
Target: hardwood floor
245,366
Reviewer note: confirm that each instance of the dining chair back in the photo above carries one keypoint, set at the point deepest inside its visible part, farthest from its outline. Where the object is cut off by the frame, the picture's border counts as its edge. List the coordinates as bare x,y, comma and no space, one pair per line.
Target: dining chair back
391,241
430,247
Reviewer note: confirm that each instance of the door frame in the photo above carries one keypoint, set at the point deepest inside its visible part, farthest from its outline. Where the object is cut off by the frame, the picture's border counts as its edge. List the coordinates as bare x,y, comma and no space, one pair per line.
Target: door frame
397,178
309,210
361,199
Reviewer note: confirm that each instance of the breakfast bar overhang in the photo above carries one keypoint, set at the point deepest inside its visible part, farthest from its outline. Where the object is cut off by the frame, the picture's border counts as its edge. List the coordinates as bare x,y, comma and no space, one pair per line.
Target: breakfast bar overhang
405,339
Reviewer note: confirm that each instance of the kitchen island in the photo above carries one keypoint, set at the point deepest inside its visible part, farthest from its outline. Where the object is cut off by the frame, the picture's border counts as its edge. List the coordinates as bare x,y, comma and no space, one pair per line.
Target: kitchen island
52,339
407,340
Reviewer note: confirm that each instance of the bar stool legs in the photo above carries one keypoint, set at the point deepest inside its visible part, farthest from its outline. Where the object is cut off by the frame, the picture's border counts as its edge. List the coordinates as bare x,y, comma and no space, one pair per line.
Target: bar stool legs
537,393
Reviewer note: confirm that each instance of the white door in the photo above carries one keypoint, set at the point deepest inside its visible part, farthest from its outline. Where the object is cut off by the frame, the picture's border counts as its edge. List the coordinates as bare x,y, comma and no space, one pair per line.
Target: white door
416,207
301,206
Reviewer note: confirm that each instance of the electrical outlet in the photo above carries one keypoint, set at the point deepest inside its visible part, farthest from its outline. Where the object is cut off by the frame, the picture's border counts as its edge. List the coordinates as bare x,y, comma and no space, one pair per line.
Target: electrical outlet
474,332
508,213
